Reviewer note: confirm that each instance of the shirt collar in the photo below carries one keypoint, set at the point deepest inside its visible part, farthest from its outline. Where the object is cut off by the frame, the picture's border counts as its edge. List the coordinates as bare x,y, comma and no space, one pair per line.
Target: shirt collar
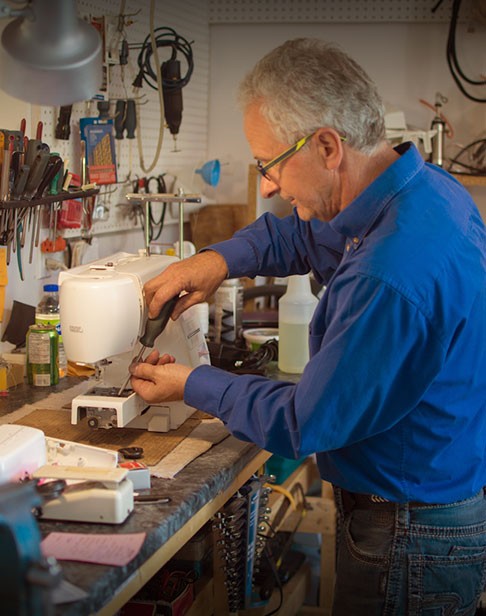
358,217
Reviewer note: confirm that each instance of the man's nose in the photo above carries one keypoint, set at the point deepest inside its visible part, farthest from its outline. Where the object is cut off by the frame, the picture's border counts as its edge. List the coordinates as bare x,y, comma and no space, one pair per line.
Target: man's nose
268,188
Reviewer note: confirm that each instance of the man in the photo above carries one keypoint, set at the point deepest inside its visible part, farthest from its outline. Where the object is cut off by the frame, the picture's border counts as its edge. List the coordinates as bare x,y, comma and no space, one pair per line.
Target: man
393,399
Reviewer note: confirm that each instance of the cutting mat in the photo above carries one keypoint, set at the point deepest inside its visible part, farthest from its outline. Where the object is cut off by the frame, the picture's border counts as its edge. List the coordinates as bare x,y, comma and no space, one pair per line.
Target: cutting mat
156,445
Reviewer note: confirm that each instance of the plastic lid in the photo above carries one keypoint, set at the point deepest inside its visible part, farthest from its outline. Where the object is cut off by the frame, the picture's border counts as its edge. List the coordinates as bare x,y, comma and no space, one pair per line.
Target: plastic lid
51,288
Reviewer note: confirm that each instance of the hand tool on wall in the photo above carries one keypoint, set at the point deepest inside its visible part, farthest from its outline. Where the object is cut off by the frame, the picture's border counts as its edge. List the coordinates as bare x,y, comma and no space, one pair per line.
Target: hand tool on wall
15,164
63,127
131,118
34,146
36,173
103,109
18,234
5,177
53,167
153,328
120,111
34,240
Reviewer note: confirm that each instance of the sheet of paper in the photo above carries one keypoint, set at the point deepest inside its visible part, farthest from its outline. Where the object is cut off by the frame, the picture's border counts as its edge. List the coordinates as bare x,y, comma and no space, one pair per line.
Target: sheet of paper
203,437
117,550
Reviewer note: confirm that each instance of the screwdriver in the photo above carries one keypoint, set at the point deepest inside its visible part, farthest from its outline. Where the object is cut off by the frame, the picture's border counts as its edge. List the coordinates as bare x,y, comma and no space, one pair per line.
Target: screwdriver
153,328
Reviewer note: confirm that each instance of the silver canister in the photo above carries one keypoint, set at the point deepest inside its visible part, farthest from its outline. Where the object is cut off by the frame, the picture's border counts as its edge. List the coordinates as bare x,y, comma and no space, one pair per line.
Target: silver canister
228,311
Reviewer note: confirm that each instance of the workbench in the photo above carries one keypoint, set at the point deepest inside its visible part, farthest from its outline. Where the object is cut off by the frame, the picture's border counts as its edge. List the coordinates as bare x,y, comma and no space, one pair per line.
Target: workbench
196,493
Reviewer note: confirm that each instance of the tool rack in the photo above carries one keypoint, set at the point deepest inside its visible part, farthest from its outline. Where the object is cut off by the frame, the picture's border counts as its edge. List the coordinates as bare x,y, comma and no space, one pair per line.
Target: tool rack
14,212
49,199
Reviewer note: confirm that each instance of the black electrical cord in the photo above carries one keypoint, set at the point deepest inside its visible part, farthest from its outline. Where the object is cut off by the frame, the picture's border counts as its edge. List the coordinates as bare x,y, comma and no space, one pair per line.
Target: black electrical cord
478,157
276,562
152,221
436,6
161,189
164,37
240,360
452,60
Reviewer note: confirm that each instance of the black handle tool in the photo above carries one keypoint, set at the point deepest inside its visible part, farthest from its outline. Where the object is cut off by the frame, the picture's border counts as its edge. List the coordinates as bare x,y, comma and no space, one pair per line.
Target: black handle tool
153,328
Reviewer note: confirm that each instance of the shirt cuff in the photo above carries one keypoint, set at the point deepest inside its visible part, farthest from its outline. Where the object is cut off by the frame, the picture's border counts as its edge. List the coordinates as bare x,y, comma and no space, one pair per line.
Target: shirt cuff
205,388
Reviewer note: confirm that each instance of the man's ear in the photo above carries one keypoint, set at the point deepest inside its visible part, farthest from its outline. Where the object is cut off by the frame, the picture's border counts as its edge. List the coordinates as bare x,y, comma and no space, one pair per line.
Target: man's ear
330,147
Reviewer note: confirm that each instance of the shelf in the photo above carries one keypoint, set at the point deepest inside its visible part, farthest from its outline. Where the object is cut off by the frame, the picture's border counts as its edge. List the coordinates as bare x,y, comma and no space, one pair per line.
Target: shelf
49,199
470,180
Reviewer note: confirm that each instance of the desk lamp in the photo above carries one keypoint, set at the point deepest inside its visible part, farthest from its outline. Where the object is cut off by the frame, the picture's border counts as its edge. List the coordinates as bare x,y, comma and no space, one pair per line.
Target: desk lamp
49,55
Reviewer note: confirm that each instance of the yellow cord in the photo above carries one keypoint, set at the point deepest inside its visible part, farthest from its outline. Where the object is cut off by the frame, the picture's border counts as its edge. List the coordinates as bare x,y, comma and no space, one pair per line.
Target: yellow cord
285,492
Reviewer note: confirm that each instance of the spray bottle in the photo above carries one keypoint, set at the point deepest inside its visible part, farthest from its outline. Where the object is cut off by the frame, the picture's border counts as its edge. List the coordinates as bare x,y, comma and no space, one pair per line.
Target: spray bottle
295,310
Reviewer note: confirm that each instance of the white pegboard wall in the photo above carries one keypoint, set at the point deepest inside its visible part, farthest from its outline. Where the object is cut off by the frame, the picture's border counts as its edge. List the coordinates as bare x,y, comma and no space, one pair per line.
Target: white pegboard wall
190,20
329,11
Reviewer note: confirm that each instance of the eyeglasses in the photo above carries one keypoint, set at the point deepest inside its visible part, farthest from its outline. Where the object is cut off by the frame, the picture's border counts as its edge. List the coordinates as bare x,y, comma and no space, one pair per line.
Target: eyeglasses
263,169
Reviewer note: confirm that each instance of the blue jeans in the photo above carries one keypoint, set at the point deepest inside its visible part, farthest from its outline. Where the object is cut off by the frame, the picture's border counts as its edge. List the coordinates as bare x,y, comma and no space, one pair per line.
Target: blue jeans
410,560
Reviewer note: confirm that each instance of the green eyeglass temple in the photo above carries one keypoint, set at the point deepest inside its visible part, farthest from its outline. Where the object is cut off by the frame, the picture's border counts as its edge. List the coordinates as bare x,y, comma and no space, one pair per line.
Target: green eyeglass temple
263,169
281,157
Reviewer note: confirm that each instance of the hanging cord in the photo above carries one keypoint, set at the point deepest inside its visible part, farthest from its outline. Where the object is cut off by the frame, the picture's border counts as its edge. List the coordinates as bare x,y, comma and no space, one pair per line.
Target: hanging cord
160,37
158,149
161,188
166,37
452,61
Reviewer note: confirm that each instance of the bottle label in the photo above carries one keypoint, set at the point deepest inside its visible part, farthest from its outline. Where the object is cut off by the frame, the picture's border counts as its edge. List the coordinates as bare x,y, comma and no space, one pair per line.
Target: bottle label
49,319
228,313
54,319
42,356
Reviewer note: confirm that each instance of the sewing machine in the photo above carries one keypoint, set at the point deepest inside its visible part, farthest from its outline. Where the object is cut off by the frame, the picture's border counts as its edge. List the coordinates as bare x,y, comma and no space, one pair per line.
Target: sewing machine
103,313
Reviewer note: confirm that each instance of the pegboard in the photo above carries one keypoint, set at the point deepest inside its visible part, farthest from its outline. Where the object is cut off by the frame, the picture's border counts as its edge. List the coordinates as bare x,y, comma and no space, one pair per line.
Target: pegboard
329,11
190,20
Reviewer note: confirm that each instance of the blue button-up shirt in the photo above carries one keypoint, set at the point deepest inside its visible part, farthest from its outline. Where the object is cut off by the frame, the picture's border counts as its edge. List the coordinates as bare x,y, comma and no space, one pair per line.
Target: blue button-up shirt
393,399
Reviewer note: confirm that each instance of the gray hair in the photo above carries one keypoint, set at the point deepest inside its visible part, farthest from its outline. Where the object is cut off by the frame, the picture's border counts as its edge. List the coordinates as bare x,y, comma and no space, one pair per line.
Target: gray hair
306,84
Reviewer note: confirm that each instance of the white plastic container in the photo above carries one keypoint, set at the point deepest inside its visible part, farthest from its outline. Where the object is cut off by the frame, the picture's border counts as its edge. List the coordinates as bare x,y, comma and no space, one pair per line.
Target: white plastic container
254,338
295,310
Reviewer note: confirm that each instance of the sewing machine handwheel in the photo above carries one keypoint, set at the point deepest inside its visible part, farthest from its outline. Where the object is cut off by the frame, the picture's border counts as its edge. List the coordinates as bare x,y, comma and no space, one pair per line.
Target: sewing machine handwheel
93,422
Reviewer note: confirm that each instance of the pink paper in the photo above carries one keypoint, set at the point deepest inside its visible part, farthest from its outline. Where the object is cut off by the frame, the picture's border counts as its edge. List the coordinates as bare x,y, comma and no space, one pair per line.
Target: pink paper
117,550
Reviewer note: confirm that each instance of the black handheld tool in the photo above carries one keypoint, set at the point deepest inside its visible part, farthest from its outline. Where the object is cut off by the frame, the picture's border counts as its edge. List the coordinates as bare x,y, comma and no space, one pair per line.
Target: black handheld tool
53,167
120,114
20,182
36,174
153,329
63,126
131,118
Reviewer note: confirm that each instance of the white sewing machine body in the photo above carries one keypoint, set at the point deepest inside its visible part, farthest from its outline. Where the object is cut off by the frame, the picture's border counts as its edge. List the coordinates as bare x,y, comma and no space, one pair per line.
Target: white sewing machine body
103,314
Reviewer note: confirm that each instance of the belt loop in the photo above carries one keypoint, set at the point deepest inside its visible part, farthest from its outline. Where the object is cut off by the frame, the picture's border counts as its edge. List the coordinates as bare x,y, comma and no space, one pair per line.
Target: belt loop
344,500
402,516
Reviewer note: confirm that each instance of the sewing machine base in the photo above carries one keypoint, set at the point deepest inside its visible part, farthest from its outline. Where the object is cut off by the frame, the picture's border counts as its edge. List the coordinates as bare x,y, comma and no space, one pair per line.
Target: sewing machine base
105,409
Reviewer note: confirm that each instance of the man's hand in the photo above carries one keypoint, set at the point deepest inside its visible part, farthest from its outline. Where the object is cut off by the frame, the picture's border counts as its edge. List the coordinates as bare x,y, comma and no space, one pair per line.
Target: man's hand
199,276
159,379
